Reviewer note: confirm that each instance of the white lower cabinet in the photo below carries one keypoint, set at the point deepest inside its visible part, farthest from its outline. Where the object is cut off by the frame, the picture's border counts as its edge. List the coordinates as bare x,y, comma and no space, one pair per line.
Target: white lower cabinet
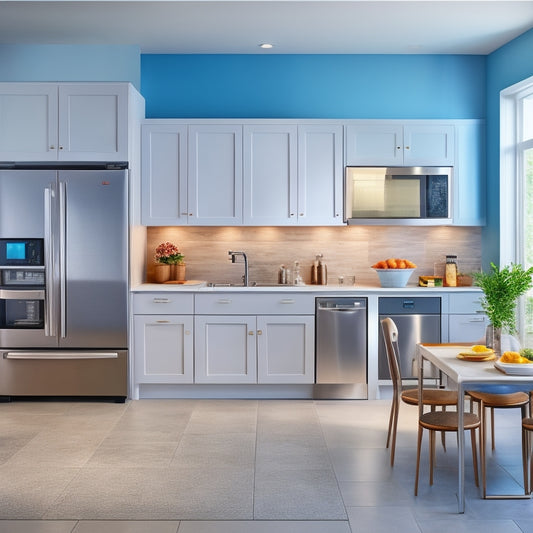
163,349
163,338
254,349
466,320
285,349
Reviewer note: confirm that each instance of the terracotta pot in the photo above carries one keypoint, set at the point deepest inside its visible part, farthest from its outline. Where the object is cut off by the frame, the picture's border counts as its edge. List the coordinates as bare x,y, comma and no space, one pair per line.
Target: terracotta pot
161,273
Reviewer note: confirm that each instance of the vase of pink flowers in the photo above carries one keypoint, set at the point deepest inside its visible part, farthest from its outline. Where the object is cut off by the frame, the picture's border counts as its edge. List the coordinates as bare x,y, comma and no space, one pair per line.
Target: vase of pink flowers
170,263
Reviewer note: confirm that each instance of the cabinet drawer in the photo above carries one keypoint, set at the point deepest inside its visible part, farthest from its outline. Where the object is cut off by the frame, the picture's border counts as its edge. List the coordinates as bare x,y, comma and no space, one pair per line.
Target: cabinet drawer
163,303
248,304
461,304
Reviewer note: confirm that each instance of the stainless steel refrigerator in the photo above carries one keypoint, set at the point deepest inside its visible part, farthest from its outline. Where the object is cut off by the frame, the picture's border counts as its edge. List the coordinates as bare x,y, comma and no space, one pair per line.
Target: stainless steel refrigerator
64,317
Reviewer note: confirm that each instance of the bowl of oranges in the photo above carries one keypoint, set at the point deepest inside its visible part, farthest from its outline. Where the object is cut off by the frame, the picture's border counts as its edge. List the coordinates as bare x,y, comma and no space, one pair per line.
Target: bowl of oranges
394,272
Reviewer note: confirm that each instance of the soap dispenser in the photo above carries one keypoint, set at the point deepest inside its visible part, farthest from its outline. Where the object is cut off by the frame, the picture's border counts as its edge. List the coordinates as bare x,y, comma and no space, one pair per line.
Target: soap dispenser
322,273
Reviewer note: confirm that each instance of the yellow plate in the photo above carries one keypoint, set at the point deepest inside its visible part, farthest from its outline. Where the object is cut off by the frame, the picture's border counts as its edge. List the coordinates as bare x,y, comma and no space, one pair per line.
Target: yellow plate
467,356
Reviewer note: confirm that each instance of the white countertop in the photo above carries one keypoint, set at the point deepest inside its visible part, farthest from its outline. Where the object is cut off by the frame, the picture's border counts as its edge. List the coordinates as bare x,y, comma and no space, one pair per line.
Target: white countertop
359,289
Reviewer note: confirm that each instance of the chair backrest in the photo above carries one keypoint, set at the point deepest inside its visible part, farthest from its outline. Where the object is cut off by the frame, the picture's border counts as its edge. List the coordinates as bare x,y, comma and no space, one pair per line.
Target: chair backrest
390,336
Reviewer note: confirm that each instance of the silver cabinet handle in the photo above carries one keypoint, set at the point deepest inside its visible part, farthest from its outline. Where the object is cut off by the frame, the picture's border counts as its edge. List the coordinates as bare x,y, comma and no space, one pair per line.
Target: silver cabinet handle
161,300
477,319
224,301
260,332
163,321
287,301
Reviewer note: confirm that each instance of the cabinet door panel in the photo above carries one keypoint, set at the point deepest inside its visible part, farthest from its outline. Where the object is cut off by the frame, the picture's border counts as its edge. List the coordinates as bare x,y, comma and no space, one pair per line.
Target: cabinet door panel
285,349
28,123
225,349
270,179
320,171
163,349
374,144
164,175
467,328
431,145
215,175
93,122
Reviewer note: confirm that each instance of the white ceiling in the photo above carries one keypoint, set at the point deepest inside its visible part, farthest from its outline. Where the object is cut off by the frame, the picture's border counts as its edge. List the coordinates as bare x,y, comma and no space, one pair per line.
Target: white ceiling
294,27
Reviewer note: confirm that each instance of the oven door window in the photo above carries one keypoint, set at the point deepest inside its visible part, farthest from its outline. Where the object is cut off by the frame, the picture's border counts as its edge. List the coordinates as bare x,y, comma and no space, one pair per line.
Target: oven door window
21,314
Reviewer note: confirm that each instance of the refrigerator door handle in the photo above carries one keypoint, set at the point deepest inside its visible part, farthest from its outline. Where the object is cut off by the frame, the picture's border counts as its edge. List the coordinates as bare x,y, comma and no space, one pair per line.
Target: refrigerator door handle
60,355
50,306
62,257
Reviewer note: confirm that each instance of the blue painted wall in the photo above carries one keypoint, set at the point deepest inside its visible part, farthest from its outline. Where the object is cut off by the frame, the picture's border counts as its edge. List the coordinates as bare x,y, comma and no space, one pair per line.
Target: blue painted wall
70,63
313,86
506,66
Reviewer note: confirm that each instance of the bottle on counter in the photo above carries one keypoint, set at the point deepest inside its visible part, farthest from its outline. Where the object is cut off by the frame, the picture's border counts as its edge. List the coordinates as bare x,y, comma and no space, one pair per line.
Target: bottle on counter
314,271
282,275
297,277
450,271
322,274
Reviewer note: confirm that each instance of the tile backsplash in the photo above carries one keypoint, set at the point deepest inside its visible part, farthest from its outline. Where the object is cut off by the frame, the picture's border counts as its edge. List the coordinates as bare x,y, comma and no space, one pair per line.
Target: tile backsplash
347,250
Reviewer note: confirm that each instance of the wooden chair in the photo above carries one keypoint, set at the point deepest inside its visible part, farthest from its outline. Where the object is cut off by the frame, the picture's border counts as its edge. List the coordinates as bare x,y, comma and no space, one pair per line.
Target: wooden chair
489,400
432,397
444,421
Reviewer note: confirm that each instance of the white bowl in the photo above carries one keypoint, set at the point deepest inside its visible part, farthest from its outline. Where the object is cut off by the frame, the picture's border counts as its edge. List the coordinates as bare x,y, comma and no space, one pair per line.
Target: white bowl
394,277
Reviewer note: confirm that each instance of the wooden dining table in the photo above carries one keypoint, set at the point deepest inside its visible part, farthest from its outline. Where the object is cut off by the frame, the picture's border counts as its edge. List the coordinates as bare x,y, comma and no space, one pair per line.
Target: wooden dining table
467,375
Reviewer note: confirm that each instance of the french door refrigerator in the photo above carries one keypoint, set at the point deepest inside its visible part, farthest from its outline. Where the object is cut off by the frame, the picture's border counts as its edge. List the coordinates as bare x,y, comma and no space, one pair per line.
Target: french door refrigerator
81,215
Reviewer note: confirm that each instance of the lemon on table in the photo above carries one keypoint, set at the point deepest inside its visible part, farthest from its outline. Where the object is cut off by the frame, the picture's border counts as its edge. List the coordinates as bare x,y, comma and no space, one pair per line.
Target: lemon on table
513,357
480,348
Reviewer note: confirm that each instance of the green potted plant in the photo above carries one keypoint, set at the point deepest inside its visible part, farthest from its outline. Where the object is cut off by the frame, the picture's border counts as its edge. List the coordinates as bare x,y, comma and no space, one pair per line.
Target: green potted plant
501,290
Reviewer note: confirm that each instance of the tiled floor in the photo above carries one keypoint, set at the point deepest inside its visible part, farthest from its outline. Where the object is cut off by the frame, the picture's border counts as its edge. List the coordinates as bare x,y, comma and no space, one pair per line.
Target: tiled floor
239,466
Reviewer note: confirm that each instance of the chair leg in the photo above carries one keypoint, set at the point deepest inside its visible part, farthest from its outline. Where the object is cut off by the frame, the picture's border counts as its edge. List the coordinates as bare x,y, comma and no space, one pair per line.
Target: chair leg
525,458
492,433
419,445
431,455
443,433
474,455
391,419
393,426
482,447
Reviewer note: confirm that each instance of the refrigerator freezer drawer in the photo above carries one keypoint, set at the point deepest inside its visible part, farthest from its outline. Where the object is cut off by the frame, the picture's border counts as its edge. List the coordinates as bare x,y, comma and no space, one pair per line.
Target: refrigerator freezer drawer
69,373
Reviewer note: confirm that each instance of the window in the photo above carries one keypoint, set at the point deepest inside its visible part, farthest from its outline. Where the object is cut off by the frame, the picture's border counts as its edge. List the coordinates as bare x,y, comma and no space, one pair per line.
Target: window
516,190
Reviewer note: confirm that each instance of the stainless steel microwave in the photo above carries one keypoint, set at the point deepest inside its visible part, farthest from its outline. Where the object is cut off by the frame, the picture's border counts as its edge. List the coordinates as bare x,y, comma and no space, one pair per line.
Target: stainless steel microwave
401,195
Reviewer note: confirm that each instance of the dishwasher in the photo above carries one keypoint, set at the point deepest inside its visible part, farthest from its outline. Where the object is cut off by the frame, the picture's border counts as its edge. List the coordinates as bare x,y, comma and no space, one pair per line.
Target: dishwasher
417,320
341,348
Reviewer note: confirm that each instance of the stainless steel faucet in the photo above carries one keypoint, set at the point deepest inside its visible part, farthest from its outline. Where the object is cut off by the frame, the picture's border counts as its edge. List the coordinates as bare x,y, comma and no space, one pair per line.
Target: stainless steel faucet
233,256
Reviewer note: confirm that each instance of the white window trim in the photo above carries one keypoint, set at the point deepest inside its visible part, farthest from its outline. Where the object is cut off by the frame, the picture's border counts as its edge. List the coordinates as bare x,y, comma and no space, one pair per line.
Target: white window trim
510,190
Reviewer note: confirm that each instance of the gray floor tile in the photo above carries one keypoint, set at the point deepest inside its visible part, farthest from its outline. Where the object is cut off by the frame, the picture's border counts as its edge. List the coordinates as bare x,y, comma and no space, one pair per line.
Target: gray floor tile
37,526
306,495
118,526
27,492
469,526
265,526
375,520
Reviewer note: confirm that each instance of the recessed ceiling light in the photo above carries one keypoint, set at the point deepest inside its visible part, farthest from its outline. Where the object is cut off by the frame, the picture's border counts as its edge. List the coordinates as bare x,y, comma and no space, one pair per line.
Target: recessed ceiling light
266,45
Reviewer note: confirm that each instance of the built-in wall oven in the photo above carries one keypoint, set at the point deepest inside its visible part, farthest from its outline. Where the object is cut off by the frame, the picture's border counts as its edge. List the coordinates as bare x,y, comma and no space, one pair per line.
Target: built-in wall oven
22,291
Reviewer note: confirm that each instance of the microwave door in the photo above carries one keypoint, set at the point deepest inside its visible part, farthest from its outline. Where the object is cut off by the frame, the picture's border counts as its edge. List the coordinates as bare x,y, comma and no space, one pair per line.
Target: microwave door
405,197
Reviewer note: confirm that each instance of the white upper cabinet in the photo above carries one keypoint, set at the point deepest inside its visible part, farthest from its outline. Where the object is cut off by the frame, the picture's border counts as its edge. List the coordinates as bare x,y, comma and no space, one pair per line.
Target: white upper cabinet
164,175
215,175
64,122
191,174
320,174
270,170
376,143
